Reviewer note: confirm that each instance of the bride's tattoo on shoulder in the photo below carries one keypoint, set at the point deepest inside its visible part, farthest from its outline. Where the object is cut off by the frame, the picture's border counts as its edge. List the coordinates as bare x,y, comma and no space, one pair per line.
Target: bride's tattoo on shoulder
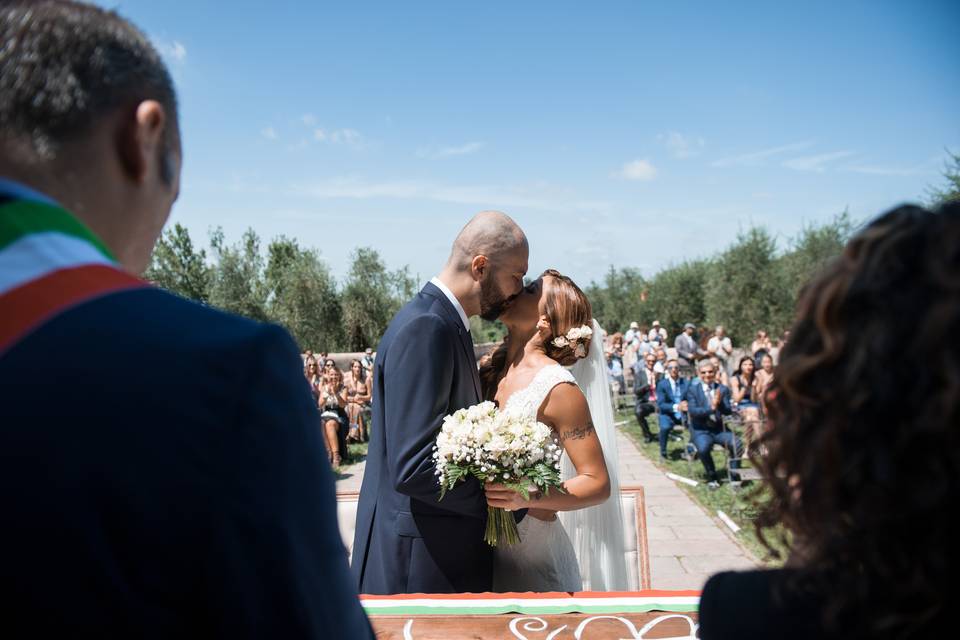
578,433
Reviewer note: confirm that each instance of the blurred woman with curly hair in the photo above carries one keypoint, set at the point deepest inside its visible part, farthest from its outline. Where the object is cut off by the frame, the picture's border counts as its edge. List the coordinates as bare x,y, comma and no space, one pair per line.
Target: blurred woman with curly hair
863,453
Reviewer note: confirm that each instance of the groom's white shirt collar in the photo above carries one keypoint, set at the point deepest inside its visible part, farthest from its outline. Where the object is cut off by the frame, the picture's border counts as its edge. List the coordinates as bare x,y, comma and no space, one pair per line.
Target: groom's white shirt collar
453,300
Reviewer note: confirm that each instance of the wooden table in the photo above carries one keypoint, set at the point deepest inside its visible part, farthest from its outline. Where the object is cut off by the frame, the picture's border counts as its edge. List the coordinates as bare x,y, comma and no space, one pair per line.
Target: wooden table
533,616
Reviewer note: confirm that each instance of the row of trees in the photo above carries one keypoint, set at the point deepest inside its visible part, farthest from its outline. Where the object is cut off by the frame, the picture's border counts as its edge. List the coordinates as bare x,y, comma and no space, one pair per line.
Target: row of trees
291,286
753,284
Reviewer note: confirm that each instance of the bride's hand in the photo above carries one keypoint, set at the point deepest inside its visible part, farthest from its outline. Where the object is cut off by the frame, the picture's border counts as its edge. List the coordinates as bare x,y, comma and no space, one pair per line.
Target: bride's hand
504,497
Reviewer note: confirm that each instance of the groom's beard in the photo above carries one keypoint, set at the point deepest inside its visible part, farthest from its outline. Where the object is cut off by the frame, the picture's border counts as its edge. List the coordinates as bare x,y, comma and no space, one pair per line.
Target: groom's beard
492,301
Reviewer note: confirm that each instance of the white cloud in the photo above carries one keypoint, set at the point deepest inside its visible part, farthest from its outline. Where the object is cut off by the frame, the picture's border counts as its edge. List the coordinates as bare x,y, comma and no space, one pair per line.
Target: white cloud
174,51
817,162
884,171
756,158
269,133
539,196
308,119
350,137
640,169
681,146
446,152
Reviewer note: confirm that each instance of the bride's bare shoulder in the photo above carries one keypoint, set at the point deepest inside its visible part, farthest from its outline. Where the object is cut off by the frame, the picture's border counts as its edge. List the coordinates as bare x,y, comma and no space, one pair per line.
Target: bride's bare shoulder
566,405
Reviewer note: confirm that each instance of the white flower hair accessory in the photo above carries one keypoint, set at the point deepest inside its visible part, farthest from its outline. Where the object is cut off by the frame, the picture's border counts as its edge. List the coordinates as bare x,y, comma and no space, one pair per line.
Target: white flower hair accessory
577,337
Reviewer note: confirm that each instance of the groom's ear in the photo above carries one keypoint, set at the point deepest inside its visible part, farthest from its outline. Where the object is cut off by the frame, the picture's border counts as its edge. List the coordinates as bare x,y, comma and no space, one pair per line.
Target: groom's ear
479,266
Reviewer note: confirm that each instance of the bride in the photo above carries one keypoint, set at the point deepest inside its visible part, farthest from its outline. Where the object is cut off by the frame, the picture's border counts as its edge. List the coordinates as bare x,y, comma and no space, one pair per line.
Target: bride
527,374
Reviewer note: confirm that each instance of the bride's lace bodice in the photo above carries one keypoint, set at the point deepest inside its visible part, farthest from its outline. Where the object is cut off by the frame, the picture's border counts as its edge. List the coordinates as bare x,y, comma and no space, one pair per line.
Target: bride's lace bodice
544,559
527,401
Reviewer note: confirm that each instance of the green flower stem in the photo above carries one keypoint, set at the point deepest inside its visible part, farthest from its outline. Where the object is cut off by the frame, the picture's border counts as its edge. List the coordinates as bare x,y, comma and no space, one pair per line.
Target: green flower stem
501,528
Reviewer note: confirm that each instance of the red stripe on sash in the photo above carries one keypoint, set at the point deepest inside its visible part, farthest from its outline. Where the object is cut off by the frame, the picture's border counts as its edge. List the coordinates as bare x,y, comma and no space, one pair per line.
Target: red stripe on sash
29,306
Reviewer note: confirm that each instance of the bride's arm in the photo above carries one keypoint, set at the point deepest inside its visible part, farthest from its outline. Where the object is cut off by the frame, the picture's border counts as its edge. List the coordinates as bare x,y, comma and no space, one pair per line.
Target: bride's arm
567,412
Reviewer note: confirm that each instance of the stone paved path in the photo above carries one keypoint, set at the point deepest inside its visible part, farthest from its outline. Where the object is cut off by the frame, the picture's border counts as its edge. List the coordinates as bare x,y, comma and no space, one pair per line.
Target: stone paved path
686,544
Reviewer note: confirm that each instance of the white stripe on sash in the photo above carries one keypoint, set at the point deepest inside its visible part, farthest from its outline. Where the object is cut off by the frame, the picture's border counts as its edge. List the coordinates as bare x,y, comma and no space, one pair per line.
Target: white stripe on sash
38,254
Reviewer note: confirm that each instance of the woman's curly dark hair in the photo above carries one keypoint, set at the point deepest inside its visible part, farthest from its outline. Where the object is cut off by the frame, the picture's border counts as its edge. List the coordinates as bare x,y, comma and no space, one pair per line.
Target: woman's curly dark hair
566,307
863,453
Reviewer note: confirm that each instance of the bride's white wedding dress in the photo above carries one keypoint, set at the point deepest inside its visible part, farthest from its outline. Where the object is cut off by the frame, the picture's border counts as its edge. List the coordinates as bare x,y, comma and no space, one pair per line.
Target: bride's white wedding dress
544,559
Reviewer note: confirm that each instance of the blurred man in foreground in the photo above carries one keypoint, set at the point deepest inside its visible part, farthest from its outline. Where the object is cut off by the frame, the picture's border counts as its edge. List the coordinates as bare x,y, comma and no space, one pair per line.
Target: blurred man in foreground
192,499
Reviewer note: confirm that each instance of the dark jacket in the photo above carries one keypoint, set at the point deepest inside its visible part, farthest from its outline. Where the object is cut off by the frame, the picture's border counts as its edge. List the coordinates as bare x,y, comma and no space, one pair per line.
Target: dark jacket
665,396
641,385
407,540
702,416
162,476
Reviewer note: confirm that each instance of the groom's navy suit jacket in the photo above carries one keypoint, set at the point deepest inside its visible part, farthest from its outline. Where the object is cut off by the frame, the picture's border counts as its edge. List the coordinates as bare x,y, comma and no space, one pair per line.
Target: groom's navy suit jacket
406,540
162,476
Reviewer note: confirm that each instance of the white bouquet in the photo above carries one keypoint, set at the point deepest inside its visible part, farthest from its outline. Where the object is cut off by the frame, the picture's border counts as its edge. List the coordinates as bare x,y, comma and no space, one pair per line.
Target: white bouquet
494,446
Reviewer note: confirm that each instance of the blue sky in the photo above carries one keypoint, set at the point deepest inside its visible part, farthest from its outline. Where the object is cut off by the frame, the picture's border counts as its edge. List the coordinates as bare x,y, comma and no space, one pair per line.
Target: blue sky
627,133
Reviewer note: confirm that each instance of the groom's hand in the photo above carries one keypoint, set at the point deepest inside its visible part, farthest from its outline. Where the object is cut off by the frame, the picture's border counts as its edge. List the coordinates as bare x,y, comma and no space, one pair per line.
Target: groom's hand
504,497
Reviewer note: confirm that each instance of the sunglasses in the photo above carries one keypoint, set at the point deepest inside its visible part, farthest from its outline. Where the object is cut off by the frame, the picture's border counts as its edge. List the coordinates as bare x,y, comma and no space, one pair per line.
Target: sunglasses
673,368
329,365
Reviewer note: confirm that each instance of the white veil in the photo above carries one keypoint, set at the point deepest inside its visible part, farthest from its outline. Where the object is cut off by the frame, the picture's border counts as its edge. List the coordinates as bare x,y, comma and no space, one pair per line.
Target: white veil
597,532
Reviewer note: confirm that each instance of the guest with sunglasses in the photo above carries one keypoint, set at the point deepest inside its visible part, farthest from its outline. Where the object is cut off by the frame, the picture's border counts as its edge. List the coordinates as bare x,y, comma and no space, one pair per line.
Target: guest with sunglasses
670,393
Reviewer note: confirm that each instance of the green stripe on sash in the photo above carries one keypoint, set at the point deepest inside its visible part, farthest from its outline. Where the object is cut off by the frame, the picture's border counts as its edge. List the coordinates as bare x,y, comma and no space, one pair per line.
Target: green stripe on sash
20,218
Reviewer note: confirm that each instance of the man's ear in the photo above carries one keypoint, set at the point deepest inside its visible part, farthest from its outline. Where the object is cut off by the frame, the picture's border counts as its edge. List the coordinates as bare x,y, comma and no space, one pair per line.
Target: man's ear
479,266
139,137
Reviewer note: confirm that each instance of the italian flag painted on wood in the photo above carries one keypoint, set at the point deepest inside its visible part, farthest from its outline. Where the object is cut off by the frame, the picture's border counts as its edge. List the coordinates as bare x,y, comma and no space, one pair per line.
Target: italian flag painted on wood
596,602
49,262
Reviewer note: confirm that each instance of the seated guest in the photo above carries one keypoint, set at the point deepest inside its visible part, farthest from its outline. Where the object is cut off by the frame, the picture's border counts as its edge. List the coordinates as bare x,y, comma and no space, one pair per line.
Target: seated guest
358,395
333,402
761,343
764,380
632,333
644,346
869,526
745,397
629,357
616,346
367,361
722,376
661,366
743,385
719,346
312,373
657,335
671,403
708,401
645,390
615,371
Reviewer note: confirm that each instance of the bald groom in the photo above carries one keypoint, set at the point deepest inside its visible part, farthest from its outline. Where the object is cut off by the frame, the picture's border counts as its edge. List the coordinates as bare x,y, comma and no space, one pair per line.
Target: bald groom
407,540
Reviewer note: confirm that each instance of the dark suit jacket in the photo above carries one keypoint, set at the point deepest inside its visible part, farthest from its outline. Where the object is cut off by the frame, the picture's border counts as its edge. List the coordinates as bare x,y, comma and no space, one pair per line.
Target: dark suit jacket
665,396
747,604
754,604
641,385
406,540
162,476
702,417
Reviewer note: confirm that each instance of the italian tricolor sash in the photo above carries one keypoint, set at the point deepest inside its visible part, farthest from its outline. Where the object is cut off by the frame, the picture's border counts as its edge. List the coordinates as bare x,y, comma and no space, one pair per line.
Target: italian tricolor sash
49,262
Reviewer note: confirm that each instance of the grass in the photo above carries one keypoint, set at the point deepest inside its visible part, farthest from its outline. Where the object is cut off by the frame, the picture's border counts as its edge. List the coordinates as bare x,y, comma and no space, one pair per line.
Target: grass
742,504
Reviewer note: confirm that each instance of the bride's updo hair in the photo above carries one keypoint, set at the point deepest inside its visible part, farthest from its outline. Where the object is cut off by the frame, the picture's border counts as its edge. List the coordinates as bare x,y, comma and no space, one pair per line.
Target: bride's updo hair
566,307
